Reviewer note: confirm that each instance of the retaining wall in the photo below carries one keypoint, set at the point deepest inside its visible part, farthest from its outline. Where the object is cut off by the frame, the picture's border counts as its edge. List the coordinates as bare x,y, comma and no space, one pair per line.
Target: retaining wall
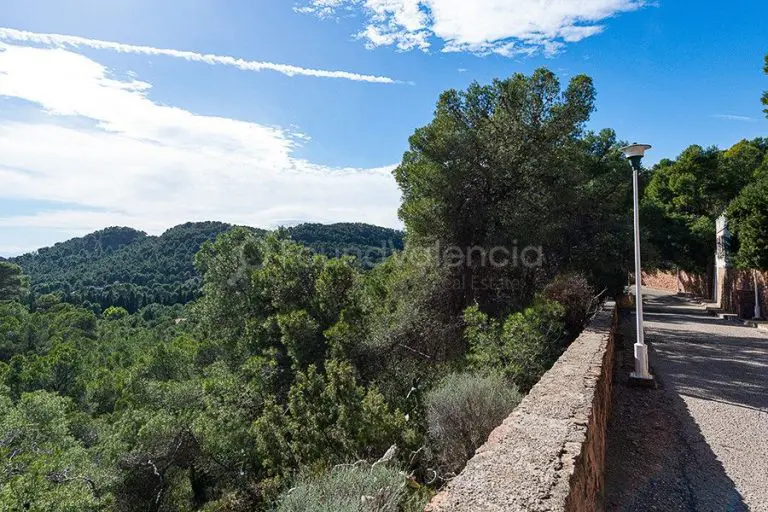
549,454
695,284
735,291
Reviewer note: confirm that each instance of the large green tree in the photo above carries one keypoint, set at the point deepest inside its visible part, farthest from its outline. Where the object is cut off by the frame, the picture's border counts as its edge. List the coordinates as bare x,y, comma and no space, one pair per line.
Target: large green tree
745,160
271,293
507,166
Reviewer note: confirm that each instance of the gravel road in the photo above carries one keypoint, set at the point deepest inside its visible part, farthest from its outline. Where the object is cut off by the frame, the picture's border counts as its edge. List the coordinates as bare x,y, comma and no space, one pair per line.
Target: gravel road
699,441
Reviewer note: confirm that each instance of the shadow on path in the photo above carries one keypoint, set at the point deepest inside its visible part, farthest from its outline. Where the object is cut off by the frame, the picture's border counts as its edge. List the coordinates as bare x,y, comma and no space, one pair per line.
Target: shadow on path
705,357
658,458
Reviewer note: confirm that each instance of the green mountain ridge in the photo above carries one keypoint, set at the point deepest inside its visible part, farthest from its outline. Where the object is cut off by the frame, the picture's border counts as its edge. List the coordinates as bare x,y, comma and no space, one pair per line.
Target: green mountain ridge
120,266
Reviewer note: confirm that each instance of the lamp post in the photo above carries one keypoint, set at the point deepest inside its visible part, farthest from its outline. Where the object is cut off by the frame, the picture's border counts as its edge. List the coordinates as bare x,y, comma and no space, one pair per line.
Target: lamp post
634,154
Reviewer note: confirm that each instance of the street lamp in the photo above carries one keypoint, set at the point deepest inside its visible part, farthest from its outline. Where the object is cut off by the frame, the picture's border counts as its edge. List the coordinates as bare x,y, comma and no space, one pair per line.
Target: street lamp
634,154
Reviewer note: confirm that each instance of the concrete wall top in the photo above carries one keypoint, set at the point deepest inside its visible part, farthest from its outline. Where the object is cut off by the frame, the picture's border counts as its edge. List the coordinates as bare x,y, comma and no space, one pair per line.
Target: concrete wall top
548,454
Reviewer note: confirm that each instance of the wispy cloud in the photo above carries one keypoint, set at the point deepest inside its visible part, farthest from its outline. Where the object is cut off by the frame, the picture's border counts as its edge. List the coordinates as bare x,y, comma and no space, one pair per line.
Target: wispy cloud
60,40
504,27
135,162
732,117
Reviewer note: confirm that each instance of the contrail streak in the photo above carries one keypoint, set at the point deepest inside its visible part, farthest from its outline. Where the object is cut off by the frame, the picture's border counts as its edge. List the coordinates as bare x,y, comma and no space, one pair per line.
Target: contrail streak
60,40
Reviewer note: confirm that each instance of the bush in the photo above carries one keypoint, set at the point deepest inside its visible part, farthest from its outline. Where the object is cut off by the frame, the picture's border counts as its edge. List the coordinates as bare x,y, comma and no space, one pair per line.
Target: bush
462,410
352,489
523,347
330,419
576,295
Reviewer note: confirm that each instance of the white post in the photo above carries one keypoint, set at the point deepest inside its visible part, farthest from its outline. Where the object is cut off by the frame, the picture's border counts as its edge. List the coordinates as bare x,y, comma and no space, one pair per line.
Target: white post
641,350
757,296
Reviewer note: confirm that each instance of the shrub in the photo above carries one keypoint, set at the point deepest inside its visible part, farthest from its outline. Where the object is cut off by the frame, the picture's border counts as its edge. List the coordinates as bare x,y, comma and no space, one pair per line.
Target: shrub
576,295
329,419
351,488
523,347
461,411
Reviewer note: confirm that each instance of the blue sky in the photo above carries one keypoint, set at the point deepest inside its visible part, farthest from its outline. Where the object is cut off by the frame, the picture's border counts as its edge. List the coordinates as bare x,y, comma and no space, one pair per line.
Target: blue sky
120,127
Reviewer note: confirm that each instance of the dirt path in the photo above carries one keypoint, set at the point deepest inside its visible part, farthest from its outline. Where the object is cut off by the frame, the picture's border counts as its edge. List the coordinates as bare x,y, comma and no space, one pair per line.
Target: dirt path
700,441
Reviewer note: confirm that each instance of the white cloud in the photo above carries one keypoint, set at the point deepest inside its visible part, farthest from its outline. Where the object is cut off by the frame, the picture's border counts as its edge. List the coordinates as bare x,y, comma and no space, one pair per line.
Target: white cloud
732,117
64,41
324,8
150,166
505,27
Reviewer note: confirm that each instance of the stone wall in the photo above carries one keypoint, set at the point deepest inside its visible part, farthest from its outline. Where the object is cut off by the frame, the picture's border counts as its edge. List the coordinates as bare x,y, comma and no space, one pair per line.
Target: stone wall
695,284
735,288
549,453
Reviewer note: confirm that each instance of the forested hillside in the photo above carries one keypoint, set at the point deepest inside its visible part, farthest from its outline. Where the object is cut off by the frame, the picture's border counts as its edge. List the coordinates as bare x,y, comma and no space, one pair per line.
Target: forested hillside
368,244
127,268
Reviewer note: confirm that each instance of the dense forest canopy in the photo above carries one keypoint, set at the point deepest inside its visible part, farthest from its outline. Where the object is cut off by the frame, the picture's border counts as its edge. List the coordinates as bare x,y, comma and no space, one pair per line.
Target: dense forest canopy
127,268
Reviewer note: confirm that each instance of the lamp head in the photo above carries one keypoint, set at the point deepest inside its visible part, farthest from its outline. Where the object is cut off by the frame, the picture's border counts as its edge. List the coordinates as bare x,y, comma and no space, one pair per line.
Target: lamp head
635,152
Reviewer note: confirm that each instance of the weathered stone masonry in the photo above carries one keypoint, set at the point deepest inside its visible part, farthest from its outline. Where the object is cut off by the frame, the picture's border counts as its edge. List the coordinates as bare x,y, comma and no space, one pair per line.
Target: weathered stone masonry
549,454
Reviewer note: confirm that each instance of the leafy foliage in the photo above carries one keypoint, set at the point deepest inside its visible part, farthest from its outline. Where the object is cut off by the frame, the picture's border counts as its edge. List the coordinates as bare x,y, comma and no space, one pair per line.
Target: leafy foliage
368,244
684,197
290,362
748,220
42,466
329,419
508,166
408,327
687,193
765,94
576,295
523,347
121,267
